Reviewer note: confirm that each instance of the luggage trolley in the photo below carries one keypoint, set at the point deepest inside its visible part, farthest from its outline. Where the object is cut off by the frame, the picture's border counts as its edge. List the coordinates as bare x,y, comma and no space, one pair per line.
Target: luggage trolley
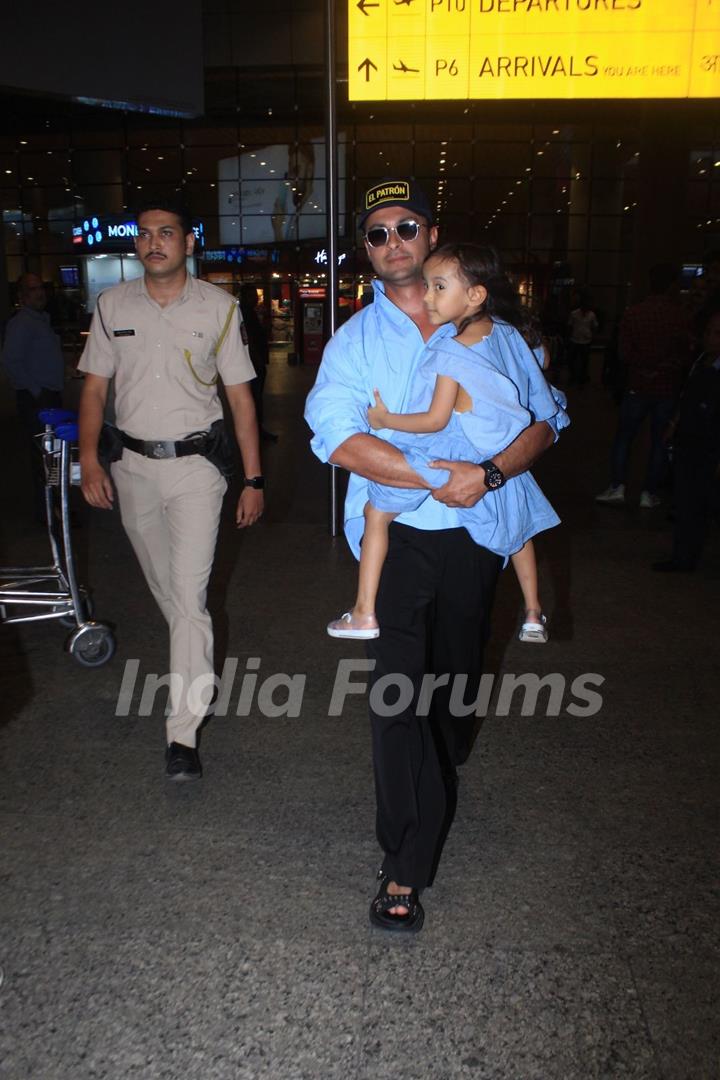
52,592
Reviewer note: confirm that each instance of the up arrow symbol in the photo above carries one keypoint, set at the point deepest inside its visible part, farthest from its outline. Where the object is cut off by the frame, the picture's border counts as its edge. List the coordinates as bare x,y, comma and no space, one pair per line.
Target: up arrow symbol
367,64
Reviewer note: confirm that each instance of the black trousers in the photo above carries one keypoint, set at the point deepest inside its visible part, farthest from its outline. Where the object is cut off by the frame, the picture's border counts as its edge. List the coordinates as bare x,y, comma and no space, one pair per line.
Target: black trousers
434,604
697,492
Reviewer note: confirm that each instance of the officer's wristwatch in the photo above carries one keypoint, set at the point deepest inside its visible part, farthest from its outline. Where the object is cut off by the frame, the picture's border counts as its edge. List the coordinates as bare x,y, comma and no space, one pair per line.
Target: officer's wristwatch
494,477
254,482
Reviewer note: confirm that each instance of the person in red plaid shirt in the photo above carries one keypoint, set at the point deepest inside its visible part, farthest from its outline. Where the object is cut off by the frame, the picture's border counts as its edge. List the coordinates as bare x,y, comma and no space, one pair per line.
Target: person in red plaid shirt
655,350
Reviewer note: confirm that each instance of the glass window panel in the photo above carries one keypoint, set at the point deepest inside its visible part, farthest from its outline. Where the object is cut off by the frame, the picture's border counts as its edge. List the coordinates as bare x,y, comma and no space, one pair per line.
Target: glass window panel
507,233
8,168
202,133
491,133
453,133
608,196
611,158
205,199
9,199
144,131
383,133
96,166
604,267
548,195
156,164
605,233
374,160
577,232
502,159
488,194
15,267
45,168
104,198
13,231
563,131
107,132
560,159
697,197
455,192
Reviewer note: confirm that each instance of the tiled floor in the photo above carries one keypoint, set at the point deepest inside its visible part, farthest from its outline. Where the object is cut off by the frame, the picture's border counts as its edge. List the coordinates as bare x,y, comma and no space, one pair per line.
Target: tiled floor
219,932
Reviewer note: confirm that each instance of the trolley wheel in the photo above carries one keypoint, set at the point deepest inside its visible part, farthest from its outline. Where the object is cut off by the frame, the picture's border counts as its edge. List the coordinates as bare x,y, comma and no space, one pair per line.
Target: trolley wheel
92,645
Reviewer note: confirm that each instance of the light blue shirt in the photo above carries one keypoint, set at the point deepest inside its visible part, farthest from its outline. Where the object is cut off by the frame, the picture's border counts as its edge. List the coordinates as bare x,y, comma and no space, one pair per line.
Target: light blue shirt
381,347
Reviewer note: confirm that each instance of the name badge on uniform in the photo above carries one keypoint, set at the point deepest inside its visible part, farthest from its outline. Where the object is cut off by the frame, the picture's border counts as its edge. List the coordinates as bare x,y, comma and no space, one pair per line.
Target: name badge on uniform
123,333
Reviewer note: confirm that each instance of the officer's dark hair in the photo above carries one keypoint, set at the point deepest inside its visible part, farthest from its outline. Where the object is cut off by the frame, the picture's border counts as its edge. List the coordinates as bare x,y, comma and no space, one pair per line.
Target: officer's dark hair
178,209
481,265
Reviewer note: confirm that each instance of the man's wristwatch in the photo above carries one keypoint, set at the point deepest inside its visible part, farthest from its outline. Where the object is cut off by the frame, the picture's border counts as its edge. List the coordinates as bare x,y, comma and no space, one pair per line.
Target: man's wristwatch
254,482
494,477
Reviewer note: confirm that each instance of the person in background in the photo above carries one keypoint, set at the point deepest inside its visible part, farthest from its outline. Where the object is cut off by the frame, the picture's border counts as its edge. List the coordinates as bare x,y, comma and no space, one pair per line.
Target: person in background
582,328
654,344
259,349
694,432
33,361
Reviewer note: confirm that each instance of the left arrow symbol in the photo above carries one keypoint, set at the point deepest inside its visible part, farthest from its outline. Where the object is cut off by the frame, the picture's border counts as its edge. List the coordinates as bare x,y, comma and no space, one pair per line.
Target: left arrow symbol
362,4
367,64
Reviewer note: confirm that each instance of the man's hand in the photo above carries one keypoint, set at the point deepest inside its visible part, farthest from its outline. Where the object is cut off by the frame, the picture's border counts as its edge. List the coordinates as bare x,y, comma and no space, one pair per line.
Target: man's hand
466,485
378,413
249,508
96,485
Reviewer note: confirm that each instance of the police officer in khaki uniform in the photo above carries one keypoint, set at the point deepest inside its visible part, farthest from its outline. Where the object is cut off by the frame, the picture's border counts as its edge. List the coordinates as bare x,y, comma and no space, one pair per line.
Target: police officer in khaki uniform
165,339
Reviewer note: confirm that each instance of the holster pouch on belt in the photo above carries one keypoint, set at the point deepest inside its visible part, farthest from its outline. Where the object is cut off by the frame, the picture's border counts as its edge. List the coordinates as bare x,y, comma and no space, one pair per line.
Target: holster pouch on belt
220,450
110,447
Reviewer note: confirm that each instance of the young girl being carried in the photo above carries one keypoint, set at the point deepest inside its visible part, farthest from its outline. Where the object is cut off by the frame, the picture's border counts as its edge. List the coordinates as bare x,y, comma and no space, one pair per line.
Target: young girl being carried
465,406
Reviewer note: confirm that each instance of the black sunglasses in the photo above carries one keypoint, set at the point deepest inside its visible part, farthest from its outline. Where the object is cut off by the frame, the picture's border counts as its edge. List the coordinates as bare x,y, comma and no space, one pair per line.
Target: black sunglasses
406,231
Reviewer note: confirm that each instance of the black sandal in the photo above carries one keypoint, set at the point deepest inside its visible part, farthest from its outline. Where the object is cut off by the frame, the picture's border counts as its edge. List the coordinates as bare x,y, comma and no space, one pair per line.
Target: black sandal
411,922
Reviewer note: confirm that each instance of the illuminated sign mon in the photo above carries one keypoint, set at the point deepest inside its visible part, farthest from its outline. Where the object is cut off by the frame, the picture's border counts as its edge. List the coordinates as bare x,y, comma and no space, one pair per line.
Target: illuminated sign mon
492,49
115,234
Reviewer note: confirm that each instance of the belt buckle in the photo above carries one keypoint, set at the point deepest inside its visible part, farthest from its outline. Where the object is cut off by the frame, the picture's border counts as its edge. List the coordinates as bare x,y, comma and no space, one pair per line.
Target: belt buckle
157,450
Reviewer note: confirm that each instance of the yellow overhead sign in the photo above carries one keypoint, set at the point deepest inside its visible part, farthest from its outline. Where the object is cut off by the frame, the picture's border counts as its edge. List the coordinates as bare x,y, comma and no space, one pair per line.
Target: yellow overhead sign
432,49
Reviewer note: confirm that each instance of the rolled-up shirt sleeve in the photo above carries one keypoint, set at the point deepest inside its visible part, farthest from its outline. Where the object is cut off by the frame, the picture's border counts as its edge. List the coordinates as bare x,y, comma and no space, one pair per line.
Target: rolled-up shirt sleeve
545,400
337,405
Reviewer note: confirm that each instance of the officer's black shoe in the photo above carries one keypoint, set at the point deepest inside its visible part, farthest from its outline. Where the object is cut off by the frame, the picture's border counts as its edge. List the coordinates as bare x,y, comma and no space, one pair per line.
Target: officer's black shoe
182,762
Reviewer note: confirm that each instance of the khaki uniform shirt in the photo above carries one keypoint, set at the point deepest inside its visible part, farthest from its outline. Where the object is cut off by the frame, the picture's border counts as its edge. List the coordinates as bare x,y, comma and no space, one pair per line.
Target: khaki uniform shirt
166,360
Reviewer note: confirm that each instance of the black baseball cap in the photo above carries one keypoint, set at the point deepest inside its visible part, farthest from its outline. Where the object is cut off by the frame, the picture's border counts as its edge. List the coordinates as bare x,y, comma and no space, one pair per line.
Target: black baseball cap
394,192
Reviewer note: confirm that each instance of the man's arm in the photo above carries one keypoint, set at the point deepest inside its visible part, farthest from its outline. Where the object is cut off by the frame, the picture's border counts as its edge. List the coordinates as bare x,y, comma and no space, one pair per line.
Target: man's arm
377,460
467,482
240,399
95,482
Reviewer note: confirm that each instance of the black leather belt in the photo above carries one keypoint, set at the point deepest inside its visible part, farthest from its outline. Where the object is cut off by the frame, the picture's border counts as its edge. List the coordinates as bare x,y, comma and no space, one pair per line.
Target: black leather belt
162,448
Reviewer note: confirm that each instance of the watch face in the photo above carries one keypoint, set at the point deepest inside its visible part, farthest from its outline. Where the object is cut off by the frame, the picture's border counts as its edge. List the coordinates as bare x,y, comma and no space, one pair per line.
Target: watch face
494,478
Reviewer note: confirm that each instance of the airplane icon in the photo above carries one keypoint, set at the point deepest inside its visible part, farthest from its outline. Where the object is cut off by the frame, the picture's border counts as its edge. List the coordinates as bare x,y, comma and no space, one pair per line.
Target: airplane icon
402,66
406,2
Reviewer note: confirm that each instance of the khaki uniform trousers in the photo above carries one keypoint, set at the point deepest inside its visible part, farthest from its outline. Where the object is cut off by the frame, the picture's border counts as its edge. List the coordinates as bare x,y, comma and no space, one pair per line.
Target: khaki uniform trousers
171,512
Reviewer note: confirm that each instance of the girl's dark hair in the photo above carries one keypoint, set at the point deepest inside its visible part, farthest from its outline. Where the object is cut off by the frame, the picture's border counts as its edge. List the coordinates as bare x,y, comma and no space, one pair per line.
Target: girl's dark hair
481,265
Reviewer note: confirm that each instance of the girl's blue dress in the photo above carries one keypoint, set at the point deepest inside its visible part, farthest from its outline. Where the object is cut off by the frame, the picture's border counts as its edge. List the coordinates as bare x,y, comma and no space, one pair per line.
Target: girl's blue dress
497,374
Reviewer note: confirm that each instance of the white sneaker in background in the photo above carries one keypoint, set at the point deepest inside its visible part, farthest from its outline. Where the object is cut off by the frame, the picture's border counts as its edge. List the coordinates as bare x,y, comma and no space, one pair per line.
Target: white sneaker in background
612,494
649,501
